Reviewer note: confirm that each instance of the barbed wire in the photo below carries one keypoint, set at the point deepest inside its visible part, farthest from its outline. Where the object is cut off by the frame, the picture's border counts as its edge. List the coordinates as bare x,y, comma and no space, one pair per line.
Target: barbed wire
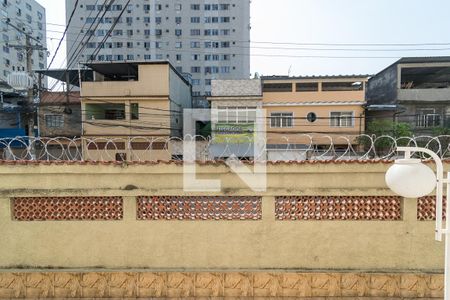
297,147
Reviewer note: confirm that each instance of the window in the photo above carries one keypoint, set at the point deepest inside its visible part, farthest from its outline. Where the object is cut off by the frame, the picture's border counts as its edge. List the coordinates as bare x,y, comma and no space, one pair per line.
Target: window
158,7
195,69
54,121
90,7
195,20
282,120
158,20
235,115
342,86
195,32
178,7
195,56
428,118
178,20
195,81
105,111
134,111
341,119
307,87
178,45
193,45
178,32
178,57
212,70
146,7
147,56
277,87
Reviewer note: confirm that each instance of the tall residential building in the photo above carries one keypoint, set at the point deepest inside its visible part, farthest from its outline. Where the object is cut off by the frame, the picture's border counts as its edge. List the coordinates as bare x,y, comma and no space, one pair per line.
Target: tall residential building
210,39
29,16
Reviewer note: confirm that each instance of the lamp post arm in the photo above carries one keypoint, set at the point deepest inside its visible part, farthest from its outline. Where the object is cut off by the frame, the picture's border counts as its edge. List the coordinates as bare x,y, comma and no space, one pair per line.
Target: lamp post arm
439,183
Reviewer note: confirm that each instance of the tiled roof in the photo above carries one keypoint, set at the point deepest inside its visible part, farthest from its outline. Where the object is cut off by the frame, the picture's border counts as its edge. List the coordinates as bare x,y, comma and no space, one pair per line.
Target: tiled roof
314,103
213,163
59,98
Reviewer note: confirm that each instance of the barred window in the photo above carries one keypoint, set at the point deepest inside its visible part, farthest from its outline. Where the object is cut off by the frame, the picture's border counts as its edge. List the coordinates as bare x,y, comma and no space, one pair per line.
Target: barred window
54,121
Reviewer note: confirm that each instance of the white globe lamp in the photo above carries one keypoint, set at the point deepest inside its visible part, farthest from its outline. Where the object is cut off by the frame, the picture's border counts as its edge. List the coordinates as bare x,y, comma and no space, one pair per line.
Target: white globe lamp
410,178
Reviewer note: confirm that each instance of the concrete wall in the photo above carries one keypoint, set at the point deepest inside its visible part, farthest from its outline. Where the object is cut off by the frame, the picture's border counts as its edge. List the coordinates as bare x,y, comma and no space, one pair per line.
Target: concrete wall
249,87
382,88
72,122
424,95
180,97
398,246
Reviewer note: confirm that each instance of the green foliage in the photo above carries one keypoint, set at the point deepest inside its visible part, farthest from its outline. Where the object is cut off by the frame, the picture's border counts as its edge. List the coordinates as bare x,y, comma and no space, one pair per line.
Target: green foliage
387,128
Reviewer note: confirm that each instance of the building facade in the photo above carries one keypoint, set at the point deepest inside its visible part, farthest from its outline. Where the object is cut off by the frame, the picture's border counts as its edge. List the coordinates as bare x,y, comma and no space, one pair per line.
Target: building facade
413,90
208,39
136,106
59,115
312,110
235,106
30,16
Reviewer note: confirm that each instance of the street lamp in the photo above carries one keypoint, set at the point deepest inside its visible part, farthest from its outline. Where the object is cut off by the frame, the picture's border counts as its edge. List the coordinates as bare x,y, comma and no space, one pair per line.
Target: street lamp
410,178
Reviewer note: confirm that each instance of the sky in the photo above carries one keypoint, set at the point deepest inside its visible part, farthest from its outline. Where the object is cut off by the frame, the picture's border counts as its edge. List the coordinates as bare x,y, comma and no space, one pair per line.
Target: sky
315,25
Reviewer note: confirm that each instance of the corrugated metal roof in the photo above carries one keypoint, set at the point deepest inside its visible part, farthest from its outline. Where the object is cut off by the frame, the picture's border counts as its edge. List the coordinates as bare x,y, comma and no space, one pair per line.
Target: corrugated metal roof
314,103
423,59
285,77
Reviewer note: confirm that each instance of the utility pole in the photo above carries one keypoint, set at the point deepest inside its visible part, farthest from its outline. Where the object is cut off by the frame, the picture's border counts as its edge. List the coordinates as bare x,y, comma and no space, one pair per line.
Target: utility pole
29,49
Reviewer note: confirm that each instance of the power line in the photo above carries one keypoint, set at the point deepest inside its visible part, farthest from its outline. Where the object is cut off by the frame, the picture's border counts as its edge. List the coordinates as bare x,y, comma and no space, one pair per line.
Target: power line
335,44
213,39
64,34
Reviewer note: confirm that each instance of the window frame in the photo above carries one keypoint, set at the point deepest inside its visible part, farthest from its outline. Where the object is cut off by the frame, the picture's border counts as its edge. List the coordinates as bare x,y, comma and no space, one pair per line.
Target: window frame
352,119
53,122
282,118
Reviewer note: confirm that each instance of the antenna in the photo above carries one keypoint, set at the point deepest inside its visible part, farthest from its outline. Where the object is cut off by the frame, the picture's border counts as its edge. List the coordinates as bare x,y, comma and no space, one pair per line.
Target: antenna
289,71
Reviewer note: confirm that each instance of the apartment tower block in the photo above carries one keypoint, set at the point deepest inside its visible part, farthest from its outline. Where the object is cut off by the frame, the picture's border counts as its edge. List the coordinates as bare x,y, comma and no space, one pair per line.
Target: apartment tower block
208,39
29,16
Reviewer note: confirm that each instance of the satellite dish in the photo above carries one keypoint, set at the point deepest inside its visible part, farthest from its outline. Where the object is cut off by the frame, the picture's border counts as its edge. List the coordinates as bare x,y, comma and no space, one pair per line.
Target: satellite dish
20,81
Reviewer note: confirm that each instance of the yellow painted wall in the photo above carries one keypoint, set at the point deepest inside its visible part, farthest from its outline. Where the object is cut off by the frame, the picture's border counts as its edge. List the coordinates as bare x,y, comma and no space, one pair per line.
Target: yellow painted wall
321,126
314,96
213,245
153,80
